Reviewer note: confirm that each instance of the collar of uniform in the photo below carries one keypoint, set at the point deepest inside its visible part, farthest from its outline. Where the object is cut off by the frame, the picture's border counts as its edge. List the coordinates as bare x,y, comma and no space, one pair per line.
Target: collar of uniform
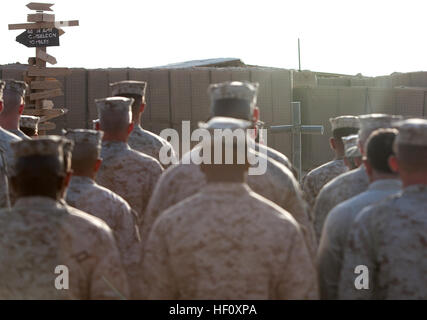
227,187
417,188
81,180
386,184
36,202
138,127
115,144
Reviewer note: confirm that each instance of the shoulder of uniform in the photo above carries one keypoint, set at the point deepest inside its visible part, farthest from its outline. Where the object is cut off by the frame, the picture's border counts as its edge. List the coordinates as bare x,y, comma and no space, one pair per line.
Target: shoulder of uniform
342,179
180,210
280,170
274,211
325,167
8,136
87,221
110,195
142,157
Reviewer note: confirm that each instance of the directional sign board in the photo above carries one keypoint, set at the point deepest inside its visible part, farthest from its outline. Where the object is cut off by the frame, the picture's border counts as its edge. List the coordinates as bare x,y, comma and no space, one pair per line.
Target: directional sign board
39,38
39,6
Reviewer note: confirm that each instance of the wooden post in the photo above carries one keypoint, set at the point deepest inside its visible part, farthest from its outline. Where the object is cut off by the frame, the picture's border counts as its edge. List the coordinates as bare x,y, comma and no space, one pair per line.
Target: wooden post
42,31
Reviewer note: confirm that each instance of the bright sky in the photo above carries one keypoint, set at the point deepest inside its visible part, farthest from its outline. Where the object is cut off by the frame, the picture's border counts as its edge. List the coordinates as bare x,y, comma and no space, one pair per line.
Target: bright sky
370,37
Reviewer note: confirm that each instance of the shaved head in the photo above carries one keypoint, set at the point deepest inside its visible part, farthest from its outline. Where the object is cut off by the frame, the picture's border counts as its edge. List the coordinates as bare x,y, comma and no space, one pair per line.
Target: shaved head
84,157
12,101
115,121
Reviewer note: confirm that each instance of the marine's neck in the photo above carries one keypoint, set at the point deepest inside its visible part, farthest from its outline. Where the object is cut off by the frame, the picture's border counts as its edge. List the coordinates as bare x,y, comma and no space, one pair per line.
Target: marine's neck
225,176
109,137
9,123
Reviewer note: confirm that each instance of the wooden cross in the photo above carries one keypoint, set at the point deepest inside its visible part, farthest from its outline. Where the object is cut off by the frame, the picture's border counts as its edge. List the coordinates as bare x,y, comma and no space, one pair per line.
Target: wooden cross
42,31
297,130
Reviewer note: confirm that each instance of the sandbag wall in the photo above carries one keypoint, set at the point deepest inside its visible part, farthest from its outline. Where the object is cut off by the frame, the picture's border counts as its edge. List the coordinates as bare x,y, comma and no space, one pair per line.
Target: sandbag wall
173,95
318,104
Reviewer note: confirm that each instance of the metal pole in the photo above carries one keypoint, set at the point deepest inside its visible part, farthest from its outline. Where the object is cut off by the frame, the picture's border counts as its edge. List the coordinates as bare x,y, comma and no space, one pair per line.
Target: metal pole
296,137
299,56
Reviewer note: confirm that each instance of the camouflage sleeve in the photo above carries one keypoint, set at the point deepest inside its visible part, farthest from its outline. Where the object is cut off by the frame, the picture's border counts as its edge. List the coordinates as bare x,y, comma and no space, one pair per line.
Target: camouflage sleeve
160,200
329,257
155,172
294,203
158,283
108,278
4,192
358,253
320,212
298,278
129,245
4,185
309,191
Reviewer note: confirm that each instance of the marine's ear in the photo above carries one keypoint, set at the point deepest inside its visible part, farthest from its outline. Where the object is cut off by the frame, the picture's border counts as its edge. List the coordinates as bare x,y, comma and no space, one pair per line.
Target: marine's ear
131,126
393,163
21,108
97,165
332,143
142,108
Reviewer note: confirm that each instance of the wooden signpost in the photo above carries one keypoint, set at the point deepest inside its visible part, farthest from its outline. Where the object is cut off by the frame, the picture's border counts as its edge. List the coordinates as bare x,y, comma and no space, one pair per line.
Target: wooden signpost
42,31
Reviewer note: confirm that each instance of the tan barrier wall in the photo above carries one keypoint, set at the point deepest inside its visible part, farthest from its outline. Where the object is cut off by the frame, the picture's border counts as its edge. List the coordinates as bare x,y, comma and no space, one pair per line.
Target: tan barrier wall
173,95
318,104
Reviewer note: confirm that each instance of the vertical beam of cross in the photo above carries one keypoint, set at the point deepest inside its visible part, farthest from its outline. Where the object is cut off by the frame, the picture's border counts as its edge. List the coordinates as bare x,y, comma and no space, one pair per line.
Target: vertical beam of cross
297,129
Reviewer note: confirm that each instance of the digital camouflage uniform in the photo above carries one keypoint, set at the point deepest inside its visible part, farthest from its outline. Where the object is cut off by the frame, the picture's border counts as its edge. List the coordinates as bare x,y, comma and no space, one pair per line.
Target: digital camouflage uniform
141,140
341,188
317,178
390,238
149,143
337,228
29,122
129,173
227,242
20,134
40,234
233,100
5,139
277,184
274,154
351,183
84,194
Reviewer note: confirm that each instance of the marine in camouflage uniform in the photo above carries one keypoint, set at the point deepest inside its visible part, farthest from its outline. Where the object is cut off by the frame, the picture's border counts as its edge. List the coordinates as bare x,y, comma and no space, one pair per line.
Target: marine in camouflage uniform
352,155
7,162
40,234
6,156
351,183
139,139
317,178
129,173
390,238
227,242
29,125
277,184
85,194
384,183
13,105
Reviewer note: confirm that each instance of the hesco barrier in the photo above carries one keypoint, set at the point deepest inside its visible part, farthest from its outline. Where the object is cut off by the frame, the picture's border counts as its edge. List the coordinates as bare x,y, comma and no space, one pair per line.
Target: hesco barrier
173,95
176,95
